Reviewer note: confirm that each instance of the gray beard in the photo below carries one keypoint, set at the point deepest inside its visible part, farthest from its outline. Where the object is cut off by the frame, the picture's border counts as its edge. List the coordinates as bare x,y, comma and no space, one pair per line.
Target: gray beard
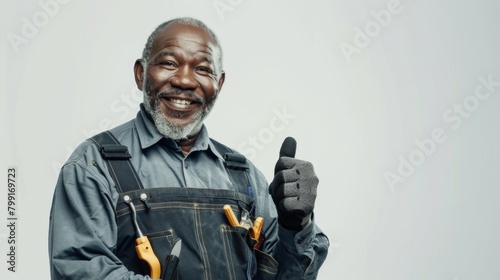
169,129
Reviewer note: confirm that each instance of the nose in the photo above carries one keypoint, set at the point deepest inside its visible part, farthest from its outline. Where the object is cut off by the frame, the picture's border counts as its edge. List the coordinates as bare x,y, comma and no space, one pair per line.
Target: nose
184,79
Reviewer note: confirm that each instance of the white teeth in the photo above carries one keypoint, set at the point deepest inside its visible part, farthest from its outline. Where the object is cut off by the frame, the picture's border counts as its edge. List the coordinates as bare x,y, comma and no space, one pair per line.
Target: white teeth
181,102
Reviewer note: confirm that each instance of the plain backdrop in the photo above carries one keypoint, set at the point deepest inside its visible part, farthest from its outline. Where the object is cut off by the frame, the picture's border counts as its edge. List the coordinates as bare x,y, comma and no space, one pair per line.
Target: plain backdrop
369,89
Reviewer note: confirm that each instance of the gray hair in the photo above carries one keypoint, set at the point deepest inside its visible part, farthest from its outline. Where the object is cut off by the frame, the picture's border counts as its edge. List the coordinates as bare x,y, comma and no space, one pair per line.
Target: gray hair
187,21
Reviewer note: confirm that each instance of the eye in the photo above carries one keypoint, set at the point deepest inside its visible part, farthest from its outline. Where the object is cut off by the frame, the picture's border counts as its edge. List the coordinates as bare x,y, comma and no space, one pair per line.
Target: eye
167,64
204,69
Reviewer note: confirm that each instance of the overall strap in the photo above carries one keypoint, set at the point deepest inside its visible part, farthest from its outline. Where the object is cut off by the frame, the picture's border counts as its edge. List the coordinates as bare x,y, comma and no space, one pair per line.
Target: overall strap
117,158
237,167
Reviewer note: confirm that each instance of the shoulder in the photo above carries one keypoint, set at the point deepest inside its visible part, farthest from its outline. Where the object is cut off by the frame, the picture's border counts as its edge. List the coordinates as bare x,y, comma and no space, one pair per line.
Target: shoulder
89,149
87,157
223,149
125,131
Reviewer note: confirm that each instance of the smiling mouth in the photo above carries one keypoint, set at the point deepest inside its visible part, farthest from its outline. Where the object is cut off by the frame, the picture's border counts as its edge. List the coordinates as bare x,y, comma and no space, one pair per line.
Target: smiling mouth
180,103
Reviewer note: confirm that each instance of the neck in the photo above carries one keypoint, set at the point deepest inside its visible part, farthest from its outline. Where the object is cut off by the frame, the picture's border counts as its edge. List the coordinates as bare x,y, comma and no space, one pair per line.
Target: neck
187,144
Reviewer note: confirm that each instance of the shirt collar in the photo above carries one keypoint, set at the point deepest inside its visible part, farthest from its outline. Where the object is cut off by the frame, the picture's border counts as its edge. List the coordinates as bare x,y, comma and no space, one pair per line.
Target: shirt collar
149,135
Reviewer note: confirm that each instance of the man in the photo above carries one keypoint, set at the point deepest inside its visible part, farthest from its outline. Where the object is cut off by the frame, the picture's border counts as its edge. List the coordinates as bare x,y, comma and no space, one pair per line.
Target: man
177,182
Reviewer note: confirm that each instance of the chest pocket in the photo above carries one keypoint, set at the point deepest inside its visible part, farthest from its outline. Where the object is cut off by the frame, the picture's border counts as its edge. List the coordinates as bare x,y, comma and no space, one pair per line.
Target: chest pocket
211,249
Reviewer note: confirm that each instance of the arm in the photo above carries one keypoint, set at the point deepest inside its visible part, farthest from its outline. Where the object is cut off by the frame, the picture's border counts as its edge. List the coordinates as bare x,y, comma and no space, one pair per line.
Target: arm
82,232
302,246
301,253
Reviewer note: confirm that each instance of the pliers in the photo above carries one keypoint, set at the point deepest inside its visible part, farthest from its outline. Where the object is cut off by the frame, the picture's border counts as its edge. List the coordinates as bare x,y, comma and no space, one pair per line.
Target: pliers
143,248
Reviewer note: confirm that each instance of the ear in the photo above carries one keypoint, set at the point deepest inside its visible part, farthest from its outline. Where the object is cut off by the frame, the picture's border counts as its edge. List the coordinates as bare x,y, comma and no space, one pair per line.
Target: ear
221,80
138,73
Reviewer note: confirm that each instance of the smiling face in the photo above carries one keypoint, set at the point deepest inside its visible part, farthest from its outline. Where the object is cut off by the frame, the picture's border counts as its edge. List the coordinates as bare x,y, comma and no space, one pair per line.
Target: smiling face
180,81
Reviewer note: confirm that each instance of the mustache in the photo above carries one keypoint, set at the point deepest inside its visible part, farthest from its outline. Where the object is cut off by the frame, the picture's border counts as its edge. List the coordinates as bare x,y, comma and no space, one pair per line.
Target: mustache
177,92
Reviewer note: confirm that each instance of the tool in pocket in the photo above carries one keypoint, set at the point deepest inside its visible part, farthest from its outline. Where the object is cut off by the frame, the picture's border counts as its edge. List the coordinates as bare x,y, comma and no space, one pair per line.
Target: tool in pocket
254,229
144,249
171,261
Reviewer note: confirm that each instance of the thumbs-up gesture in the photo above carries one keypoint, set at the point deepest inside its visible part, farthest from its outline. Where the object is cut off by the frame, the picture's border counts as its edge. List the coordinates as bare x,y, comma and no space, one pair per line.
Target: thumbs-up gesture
293,188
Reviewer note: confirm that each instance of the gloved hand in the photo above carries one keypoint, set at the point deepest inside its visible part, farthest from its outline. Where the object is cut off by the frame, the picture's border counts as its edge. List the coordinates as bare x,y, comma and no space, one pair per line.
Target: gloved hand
293,188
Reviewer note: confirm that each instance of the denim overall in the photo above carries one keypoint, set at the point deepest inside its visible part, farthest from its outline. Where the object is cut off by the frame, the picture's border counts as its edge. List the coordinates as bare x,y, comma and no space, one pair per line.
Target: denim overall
211,248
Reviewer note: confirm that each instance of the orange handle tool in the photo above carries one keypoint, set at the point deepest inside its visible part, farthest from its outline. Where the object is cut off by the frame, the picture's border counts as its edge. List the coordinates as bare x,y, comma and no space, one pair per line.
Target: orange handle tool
230,216
257,228
143,248
146,253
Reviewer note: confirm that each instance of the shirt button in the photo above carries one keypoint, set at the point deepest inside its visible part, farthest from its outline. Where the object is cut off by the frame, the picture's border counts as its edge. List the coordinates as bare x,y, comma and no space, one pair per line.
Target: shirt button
186,166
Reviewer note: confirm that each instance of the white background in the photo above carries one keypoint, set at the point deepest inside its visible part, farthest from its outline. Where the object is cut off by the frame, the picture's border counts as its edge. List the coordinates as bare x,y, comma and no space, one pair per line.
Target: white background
356,117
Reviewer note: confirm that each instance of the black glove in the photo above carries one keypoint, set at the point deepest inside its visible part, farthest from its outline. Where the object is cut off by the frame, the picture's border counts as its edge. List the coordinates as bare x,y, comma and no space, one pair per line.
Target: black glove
293,188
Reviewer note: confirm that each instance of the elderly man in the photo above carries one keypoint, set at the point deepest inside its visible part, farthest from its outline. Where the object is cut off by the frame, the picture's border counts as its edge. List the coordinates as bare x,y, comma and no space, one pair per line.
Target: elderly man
194,208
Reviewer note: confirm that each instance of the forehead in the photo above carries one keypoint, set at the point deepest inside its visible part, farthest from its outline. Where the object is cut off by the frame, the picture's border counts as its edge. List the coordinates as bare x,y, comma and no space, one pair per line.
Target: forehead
190,38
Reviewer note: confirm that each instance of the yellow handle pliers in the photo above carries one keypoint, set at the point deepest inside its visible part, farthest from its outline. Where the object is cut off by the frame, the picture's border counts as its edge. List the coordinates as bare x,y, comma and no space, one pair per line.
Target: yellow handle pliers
143,248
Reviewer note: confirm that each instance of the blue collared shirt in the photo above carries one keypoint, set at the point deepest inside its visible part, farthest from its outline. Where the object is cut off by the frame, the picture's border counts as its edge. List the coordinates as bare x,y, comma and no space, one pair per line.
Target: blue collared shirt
83,208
